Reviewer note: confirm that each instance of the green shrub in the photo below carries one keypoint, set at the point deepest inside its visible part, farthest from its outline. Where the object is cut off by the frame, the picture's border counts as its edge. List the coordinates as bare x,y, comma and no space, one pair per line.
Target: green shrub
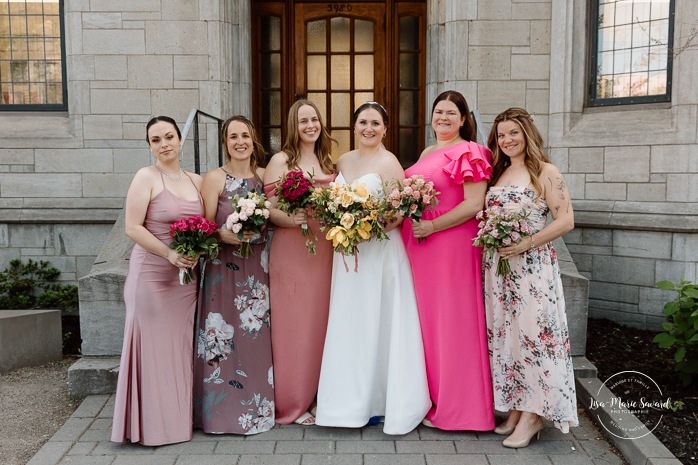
681,330
33,285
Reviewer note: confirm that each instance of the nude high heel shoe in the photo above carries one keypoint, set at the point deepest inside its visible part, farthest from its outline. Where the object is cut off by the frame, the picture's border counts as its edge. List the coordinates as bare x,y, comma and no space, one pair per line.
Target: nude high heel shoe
535,431
504,429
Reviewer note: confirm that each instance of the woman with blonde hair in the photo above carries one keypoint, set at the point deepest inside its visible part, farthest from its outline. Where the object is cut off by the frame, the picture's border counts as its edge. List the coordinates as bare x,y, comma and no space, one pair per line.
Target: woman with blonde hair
300,311
527,333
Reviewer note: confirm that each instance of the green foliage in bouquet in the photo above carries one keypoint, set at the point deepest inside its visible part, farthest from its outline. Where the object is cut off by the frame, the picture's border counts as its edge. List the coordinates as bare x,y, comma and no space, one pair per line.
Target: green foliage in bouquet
33,285
681,330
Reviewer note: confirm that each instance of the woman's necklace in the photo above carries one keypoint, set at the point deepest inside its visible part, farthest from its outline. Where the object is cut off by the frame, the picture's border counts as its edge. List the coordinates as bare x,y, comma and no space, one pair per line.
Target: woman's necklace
171,178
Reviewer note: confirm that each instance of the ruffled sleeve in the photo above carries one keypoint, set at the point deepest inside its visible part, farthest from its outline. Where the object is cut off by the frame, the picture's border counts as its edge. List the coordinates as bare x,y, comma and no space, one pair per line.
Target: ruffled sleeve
468,161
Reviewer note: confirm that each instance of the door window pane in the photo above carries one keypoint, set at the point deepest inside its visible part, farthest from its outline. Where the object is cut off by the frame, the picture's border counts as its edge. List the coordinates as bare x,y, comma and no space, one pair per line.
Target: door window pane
341,109
363,36
317,72
340,75
339,39
363,72
316,39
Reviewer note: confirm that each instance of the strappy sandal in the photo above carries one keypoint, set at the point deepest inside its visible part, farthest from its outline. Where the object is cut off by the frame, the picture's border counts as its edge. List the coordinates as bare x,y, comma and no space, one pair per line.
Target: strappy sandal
305,420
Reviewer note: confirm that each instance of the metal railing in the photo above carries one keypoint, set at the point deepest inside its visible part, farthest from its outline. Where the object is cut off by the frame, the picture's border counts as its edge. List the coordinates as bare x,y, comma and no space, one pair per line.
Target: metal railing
193,119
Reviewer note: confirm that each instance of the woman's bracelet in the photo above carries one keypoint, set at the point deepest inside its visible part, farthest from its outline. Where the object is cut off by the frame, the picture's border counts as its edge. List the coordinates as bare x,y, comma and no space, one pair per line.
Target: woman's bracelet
532,243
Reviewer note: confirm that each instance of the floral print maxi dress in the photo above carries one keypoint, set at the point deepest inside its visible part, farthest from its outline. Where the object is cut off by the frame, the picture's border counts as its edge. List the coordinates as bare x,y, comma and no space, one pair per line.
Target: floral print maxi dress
233,376
526,324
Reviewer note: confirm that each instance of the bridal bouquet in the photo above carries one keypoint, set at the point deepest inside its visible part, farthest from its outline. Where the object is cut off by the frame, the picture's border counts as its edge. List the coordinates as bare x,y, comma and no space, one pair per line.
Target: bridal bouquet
500,227
293,193
350,214
409,198
193,236
249,214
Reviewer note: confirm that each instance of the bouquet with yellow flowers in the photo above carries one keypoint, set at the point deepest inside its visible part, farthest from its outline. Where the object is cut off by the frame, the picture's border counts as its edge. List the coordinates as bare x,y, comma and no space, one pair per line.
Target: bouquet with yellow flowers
350,214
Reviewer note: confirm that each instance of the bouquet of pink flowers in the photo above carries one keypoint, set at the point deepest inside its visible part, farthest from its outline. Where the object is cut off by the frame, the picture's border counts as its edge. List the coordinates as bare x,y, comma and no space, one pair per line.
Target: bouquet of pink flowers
249,214
193,236
293,193
500,227
409,198
351,214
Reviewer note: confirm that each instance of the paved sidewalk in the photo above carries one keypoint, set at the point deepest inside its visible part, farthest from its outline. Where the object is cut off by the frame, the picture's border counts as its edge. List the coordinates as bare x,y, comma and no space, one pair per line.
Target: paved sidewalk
84,440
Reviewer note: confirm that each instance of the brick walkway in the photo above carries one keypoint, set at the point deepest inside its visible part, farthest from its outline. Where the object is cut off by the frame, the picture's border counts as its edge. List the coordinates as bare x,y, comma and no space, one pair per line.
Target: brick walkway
84,440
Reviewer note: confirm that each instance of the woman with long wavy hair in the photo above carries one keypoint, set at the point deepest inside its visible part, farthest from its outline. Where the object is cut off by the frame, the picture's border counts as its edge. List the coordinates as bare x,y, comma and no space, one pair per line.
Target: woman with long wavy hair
300,281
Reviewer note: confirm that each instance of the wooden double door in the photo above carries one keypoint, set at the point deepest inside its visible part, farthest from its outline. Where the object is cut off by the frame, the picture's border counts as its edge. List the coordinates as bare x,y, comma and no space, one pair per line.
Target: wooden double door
340,55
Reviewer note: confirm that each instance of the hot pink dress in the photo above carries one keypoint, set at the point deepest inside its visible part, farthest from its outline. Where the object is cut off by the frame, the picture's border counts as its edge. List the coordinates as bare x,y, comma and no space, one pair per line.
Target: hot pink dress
448,284
154,391
300,300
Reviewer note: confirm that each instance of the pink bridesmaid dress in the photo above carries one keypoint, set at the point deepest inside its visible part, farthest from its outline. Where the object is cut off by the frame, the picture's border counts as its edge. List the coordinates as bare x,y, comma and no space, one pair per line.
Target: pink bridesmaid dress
154,391
300,301
448,284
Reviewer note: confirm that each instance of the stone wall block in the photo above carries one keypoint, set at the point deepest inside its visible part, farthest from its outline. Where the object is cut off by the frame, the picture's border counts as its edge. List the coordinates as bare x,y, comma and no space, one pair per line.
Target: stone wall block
191,68
4,236
16,156
141,75
101,20
533,67
682,188
614,292
79,97
113,42
73,40
40,185
584,263
176,103
573,237
625,308
120,101
624,270
586,160
627,164
175,37
125,5
489,63
593,236
494,9
179,10
209,10
643,192
644,244
496,96
514,33
106,185
535,11
540,37
84,265
131,160
102,127
70,160
589,249
652,300
633,320
672,158
537,101
80,239
560,158
685,247
111,68
675,271
456,67
605,191
82,67
460,10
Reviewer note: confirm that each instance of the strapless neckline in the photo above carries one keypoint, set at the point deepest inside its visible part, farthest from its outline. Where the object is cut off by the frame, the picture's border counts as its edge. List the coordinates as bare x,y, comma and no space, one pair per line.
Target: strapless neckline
360,177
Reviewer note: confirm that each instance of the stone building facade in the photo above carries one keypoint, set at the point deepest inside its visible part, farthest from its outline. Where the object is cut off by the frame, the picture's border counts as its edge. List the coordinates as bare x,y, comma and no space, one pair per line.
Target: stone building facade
631,169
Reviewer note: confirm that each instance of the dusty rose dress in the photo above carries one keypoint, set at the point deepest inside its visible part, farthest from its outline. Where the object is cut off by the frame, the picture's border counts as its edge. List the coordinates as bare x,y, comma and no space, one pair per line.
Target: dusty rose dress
300,297
448,283
153,394
233,377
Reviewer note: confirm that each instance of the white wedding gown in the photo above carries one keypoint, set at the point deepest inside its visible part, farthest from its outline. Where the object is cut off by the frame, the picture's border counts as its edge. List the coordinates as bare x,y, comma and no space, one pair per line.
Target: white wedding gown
373,360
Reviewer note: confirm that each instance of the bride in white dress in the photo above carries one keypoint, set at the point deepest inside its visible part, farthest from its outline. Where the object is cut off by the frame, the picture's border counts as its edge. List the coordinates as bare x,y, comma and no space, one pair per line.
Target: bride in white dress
373,360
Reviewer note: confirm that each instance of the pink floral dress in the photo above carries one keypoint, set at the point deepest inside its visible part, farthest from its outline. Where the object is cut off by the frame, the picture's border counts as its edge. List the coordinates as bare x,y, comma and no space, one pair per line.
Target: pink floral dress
526,324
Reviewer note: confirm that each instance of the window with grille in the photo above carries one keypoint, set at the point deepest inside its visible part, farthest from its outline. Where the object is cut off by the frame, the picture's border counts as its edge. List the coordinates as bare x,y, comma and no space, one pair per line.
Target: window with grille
32,55
631,53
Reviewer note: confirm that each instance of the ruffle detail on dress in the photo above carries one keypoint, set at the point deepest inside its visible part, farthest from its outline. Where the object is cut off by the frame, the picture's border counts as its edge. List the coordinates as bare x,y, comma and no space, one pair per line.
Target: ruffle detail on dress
470,162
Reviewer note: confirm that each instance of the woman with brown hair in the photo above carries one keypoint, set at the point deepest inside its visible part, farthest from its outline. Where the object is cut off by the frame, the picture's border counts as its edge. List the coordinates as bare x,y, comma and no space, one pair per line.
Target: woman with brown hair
527,330
300,312
233,377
